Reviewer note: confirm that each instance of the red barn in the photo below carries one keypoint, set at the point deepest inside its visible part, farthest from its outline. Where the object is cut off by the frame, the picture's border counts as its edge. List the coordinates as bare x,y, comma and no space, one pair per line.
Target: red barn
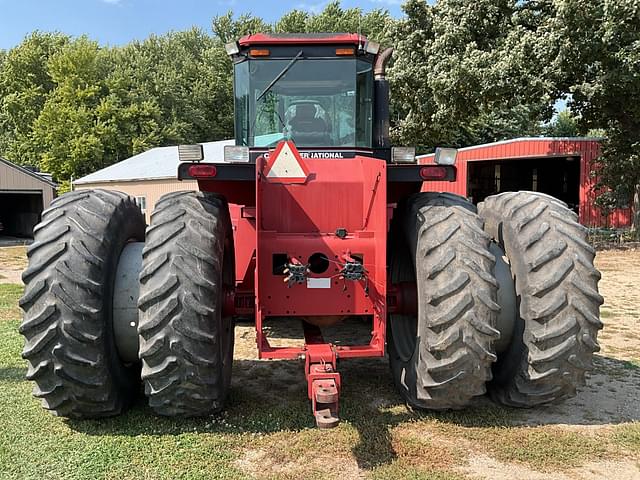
557,166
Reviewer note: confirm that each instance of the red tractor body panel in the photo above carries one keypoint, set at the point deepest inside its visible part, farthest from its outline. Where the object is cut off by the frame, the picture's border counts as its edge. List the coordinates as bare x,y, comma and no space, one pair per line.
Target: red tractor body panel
311,228
293,39
340,213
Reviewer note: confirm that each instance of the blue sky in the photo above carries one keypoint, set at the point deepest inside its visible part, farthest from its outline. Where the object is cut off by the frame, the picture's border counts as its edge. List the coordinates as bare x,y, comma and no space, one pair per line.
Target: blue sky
118,21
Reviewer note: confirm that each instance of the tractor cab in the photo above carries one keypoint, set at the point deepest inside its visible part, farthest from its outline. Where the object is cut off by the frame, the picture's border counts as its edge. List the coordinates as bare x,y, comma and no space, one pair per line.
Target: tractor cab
316,90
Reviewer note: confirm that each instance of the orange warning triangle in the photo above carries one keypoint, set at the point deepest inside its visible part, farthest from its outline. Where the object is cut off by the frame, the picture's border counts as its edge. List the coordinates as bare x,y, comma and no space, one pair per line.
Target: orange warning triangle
285,165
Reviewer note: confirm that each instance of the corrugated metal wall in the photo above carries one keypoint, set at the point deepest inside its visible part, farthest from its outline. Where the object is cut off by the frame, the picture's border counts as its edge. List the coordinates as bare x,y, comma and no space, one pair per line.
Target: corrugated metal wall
151,190
587,149
13,179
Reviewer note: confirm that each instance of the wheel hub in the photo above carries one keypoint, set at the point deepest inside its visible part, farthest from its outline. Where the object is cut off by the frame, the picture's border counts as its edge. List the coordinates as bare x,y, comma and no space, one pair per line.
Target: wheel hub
126,290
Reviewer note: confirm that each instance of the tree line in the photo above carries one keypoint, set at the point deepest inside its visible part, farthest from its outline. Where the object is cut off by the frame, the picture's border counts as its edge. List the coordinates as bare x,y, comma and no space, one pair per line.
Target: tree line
464,72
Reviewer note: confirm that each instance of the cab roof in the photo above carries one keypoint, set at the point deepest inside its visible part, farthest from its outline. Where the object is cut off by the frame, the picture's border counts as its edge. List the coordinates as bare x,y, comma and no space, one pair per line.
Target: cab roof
302,38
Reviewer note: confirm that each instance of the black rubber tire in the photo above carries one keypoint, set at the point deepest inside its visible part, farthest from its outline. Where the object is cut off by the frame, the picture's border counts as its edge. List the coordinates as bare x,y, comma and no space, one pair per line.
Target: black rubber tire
67,304
441,358
557,288
186,345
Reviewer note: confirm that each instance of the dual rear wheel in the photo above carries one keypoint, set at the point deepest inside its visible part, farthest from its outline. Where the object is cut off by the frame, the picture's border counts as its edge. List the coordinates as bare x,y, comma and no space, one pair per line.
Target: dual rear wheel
185,343
451,350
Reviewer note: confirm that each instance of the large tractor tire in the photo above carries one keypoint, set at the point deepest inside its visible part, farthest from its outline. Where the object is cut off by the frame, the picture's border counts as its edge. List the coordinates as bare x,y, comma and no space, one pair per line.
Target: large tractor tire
556,284
186,344
67,303
441,358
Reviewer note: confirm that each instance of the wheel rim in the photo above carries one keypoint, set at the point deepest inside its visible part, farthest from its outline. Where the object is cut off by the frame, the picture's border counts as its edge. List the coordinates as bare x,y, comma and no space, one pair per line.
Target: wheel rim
126,291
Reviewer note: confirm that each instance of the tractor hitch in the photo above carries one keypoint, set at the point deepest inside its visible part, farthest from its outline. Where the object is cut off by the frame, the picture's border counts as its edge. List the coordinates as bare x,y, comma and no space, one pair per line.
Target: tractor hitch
323,380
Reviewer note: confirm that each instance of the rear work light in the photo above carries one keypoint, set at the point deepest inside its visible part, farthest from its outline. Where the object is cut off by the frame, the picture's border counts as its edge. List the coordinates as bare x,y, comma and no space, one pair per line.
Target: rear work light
259,52
446,156
236,154
203,171
232,48
190,153
433,173
403,154
372,47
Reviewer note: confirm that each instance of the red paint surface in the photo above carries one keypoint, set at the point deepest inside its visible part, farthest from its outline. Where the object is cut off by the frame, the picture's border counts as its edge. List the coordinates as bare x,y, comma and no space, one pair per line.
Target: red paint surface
587,150
301,219
267,39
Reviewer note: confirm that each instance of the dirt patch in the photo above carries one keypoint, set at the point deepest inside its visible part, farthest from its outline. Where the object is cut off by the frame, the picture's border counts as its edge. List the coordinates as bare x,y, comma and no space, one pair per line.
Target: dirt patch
611,396
485,467
612,393
620,470
261,464
13,260
620,286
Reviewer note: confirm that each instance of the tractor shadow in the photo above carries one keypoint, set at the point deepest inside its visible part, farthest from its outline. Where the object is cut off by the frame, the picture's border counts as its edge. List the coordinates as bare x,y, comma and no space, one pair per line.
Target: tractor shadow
12,374
269,397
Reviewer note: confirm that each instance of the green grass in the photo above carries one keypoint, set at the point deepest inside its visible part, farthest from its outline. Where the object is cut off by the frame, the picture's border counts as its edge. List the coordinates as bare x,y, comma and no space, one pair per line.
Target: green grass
140,445
36,445
267,431
605,313
628,436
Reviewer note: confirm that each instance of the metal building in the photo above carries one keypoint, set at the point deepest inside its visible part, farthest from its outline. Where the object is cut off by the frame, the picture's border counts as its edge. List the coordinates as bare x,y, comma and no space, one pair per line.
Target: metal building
24,194
561,167
148,175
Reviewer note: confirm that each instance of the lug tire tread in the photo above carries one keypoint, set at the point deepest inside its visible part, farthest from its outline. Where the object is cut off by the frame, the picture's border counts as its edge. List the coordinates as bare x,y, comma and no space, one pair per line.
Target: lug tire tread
69,350
179,303
557,285
456,299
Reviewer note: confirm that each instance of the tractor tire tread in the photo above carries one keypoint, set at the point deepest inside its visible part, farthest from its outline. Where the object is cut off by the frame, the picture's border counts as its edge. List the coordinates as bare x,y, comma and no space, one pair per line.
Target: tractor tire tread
179,301
456,297
557,285
68,347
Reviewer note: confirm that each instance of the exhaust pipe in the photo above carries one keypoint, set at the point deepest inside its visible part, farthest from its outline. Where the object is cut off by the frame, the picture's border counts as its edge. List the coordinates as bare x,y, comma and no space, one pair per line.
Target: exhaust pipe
380,67
381,113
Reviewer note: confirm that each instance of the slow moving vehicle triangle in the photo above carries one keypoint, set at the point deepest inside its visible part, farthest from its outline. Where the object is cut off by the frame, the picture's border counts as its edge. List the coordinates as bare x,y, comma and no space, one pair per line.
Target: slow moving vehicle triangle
285,165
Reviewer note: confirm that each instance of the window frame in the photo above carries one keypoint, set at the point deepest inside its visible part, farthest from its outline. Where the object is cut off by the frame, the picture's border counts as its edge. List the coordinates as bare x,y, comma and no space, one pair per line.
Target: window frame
246,110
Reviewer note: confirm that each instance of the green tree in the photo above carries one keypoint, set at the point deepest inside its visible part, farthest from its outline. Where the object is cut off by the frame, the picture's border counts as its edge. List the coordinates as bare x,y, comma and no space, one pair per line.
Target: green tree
25,83
565,124
67,137
227,29
374,24
177,87
600,55
469,72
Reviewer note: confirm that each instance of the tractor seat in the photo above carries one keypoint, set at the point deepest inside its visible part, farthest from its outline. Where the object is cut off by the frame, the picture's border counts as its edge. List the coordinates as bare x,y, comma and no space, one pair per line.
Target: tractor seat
307,128
305,120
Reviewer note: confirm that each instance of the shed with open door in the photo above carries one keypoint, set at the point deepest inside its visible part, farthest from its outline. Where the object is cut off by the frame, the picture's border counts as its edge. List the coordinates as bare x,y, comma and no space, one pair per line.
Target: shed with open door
561,167
24,194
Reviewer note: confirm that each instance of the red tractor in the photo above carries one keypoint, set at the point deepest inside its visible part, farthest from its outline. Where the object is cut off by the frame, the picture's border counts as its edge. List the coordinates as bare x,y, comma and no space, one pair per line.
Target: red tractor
313,215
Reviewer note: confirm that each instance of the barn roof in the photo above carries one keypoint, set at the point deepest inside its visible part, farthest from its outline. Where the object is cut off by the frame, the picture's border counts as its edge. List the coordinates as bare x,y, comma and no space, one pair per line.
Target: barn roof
43,177
154,164
521,140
